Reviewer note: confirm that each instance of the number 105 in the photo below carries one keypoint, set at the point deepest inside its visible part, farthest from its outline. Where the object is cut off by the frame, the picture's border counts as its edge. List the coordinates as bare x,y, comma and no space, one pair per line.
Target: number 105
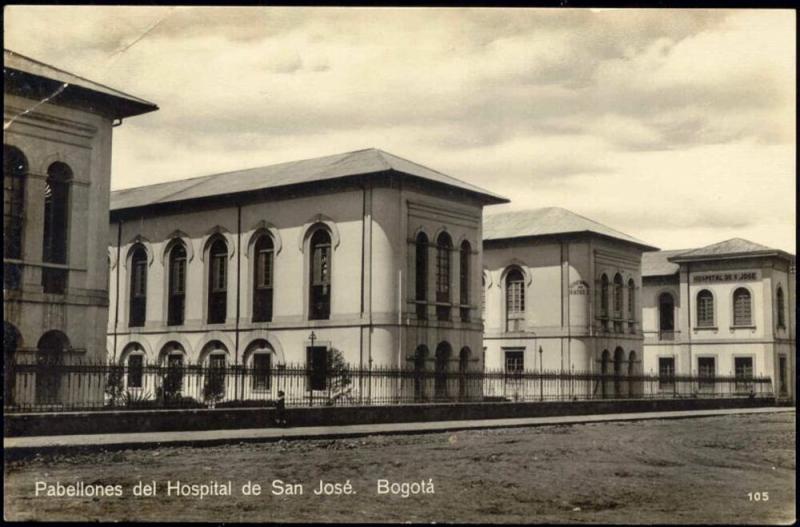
758,496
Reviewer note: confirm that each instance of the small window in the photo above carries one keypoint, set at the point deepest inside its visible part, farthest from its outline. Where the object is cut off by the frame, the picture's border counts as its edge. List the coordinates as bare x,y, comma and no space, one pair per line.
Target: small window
742,312
666,373
515,361
444,246
262,369
138,292
135,370
464,274
705,308
218,283
421,271
706,371
177,285
320,287
515,300
780,308
262,281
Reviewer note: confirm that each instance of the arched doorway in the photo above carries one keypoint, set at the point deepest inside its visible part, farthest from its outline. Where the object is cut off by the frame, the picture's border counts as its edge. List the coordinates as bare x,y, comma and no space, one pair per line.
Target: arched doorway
463,369
631,373
420,357
171,365
605,358
443,352
11,340
49,360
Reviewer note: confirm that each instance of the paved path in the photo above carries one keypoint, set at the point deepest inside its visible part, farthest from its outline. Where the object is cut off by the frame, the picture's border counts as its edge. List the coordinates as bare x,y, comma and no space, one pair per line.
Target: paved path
26,445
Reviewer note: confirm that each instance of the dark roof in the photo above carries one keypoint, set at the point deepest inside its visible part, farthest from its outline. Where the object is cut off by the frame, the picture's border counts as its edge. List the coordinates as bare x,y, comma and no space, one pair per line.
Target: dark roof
727,249
27,77
546,222
656,263
361,162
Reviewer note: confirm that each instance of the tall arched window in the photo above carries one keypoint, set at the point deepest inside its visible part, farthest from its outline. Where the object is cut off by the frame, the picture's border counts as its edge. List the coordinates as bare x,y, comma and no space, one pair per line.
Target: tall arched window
666,316
172,373
619,359
138,291
780,309
515,300
262,280
631,300
56,227
604,296
420,357
218,282
177,285
463,370
483,296
320,283
443,352
742,307
215,363
463,269
11,341
444,246
705,308
605,359
421,275
617,295
15,170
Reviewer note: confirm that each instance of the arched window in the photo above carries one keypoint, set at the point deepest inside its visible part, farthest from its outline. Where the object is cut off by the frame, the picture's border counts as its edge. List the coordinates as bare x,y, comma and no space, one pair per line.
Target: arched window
463,275
463,370
604,296
666,316
515,300
172,364
605,359
11,341
320,283
259,361
631,373
619,358
133,360
15,170
218,282
49,358
177,285
444,246
421,275
56,227
780,311
138,291
631,300
483,296
617,296
262,280
420,357
742,307
705,308
214,385
443,352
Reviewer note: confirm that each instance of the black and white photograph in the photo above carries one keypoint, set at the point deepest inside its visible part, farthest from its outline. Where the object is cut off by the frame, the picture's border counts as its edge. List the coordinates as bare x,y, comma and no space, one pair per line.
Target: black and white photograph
284,264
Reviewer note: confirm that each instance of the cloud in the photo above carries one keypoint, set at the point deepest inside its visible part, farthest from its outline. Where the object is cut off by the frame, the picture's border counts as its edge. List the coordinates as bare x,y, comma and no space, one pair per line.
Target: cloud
641,111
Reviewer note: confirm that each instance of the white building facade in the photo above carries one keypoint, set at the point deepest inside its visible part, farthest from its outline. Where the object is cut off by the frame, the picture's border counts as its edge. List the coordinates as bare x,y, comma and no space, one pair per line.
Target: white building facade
727,309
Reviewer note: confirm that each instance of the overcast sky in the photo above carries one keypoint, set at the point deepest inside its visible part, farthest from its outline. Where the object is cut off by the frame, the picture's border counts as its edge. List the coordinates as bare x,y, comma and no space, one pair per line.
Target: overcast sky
677,127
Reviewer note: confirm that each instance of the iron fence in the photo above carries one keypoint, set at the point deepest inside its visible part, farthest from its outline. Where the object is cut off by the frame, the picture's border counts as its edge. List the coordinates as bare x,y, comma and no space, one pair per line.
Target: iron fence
61,387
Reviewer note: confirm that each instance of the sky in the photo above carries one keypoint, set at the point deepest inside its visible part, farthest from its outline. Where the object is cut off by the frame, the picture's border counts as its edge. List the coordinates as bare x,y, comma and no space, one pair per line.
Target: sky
674,126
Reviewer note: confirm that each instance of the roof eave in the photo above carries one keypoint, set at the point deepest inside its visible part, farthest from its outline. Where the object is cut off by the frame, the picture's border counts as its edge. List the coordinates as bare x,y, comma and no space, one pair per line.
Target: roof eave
731,256
647,248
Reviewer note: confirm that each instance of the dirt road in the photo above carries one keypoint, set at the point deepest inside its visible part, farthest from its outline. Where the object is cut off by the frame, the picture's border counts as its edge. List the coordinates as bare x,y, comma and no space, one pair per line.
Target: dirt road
667,471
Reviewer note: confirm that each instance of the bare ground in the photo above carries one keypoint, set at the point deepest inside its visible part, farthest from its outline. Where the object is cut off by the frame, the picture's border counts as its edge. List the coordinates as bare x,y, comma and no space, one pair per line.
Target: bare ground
663,471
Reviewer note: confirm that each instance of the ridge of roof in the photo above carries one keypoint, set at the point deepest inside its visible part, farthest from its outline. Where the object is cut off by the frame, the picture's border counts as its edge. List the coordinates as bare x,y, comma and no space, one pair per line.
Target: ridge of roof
356,162
545,221
727,248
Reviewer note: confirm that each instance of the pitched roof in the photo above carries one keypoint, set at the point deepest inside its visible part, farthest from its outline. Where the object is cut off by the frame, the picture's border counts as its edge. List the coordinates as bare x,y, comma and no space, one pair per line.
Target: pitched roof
735,247
547,221
29,77
656,263
360,162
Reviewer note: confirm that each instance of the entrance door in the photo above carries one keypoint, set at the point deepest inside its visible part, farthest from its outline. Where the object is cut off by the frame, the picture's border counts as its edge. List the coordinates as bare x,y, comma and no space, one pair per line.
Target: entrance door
317,367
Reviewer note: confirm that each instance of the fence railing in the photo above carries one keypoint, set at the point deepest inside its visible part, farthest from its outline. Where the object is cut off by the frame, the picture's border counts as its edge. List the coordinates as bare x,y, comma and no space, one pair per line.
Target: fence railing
59,387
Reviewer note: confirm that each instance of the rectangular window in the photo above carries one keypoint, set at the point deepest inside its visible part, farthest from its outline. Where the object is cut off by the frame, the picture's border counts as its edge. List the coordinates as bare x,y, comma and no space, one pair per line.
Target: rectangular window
515,361
135,371
666,373
515,305
782,386
317,367
706,371
262,365
743,369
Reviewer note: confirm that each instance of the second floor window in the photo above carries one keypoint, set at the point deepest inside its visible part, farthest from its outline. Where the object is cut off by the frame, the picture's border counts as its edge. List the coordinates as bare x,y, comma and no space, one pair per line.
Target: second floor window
443,248
705,308
138,295
463,272
56,227
781,313
421,272
742,312
617,295
262,281
320,284
604,296
218,282
177,285
515,300
15,170
631,300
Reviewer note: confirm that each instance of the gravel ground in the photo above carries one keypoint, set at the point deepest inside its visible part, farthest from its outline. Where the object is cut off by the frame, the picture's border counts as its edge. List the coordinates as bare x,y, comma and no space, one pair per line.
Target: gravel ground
660,471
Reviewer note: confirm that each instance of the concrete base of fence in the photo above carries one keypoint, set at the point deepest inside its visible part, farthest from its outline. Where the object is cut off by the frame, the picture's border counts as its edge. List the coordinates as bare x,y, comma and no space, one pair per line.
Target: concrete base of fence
130,421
